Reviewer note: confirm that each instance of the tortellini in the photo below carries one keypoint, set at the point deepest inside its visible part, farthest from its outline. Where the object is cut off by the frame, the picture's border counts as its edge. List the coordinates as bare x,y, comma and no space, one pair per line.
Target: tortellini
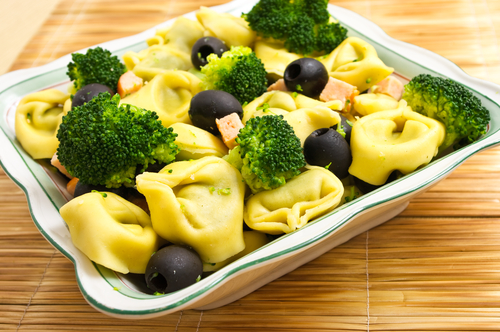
289,207
274,56
369,103
399,139
168,94
169,50
38,117
281,103
232,30
111,231
253,241
306,120
356,62
198,203
196,143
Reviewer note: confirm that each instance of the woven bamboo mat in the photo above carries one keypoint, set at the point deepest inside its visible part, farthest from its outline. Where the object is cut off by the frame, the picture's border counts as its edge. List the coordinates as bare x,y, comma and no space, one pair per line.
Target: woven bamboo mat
436,267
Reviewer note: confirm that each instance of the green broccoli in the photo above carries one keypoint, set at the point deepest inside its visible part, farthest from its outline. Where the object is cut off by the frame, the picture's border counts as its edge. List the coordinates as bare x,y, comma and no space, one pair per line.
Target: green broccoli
443,99
269,153
102,143
238,72
96,66
305,26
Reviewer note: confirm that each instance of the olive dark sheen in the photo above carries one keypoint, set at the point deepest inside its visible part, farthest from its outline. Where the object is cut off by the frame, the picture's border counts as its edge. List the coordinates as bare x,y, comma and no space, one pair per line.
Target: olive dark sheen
208,105
325,147
307,76
173,268
366,187
82,188
85,94
203,48
346,127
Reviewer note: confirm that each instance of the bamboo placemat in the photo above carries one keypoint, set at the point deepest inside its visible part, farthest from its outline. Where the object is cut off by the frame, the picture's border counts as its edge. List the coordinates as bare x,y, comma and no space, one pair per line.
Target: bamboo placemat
436,267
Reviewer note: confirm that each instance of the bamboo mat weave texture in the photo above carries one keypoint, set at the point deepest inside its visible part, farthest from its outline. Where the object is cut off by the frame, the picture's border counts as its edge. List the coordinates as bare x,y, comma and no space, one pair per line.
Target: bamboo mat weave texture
435,267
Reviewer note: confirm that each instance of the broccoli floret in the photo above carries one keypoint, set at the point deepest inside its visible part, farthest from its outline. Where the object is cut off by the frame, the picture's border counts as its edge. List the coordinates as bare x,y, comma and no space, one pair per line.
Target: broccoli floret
448,101
269,153
238,72
303,25
102,143
95,66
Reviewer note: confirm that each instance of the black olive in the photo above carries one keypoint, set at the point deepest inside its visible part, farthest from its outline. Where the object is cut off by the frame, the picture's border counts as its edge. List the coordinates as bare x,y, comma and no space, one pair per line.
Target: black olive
89,91
307,76
203,48
366,187
346,127
82,188
172,268
208,105
326,147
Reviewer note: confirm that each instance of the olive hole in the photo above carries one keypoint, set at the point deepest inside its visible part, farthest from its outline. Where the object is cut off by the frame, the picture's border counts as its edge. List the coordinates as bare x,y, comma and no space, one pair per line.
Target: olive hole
159,283
205,51
293,71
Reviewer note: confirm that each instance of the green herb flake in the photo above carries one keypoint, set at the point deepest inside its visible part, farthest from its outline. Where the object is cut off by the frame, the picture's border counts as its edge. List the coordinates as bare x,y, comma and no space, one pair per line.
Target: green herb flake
102,194
368,80
349,123
328,166
298,88
264,107
170,171
211,189
295,94
198,279
158,293
116,288
340,130
225,191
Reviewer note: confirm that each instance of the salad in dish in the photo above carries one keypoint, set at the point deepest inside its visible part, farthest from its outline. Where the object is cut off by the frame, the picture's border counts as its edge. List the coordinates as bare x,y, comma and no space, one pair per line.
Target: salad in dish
224,134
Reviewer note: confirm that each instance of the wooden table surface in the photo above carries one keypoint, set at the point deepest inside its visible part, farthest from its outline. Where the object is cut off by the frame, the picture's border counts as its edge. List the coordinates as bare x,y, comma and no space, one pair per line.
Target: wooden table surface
435,267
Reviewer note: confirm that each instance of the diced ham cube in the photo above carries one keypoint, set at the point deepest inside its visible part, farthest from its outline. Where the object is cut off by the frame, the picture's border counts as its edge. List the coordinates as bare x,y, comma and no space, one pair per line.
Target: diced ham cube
390,86
129,83
339,90
278,85
57,164
229,127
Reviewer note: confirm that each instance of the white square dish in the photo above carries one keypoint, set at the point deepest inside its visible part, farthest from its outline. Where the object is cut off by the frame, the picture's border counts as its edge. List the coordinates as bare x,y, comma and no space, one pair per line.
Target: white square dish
119,295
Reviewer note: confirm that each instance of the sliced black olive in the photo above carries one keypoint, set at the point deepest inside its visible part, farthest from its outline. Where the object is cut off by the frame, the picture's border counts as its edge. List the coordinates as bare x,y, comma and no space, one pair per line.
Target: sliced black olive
89,91
82,188
208,105
203,48
307,76
346,127
173,268
327,148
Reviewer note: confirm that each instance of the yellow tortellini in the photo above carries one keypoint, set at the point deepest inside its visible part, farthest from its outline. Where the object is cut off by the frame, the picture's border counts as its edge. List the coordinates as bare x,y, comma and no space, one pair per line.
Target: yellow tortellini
306,120
274,56
169,49
253,241
38,117
111,231
196,143
391,140
198,203
168,94
369,103
356,62
232,30
291,206
281,103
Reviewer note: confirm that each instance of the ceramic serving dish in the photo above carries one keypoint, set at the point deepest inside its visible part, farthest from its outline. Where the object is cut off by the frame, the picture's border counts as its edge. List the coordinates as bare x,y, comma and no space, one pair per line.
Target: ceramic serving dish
123,295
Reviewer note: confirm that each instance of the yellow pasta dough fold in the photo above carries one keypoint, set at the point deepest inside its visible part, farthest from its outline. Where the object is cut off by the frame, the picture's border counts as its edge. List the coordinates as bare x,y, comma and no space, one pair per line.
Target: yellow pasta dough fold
198,203
232,30
196,143
386,141
274,56
168,94
356,62
111,231
291,206
38,117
